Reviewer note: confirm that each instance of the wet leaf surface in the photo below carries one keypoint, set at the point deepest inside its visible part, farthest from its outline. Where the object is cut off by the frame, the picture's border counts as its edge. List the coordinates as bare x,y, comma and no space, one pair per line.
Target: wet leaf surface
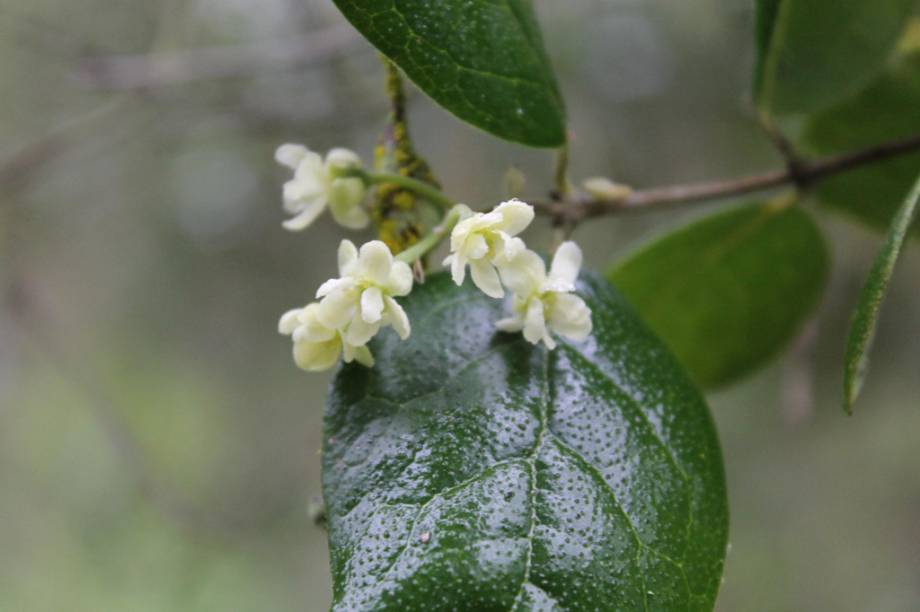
470,470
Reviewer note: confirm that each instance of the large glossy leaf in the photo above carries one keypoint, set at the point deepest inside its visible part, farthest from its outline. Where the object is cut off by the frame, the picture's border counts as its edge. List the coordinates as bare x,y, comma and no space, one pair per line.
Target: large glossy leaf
813,52
888,109
727,292
470,470
482,60
873,293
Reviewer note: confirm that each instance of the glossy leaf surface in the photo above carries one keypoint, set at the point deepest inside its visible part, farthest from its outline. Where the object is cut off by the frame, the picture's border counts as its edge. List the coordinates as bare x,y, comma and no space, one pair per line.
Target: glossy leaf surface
728,291
811,53
886,110
482,60
471,470
865,319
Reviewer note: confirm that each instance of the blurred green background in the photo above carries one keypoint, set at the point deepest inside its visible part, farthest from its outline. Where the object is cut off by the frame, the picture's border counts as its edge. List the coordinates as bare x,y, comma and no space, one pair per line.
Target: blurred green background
158,448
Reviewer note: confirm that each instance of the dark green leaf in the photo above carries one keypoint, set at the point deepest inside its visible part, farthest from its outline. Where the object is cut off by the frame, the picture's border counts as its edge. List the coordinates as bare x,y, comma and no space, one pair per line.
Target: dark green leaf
888,109
482,60
813,52
727,292
865,318
470,470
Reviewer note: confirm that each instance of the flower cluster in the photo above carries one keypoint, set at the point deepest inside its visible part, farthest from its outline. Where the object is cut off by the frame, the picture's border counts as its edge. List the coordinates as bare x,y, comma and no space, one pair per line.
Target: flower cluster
351,309
318,184
485,242
542,303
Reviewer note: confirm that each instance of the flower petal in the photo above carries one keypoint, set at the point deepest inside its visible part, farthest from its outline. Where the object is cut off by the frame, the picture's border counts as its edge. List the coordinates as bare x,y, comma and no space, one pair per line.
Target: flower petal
400,281
289,321
363,355
311,169
345,196
566,263
510,324
334,284
371,304
291,155
338,308
375,261
311,328
317,356
342,158
570,317
457,268
397,318
486,278
476,247
348,257
460,233
524,273
534,324
298,194
507,248
306,216
353,218
359,332
516,216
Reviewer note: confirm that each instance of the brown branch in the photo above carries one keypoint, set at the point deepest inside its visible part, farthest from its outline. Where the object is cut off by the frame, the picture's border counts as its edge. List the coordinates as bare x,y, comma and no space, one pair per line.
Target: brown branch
803,175
149,71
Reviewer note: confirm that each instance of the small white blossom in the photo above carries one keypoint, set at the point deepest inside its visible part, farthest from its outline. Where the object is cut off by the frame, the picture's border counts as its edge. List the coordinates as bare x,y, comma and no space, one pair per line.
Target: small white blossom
318,184
316,346
361,301
484,241
544,303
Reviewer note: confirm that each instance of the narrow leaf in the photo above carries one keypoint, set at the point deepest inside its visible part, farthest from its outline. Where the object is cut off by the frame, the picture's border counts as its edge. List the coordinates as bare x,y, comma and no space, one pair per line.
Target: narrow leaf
482,60
726,293
865,318
886,110
813,52
471,470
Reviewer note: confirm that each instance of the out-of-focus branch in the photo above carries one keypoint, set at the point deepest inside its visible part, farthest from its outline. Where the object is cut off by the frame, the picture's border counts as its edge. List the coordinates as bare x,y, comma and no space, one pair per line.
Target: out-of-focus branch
17,170
139,72
803,175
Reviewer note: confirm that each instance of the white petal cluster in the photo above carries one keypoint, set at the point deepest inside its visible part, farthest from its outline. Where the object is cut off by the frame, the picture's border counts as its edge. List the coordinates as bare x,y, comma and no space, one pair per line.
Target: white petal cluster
546,303
484,241
318,184
351,308
316,346
542,303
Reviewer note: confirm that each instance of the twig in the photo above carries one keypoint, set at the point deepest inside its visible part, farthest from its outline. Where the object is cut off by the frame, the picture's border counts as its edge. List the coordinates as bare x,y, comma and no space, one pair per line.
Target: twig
783,145
139,72
806,174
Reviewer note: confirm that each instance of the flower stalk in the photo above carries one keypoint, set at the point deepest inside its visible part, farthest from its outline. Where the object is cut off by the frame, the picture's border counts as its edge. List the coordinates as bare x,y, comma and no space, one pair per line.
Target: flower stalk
432,194
432,240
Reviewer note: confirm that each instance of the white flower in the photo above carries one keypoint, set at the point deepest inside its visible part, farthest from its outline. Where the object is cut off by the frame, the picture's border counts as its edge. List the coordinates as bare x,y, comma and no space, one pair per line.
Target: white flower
317,184
361,301
483,240
546,303
316,346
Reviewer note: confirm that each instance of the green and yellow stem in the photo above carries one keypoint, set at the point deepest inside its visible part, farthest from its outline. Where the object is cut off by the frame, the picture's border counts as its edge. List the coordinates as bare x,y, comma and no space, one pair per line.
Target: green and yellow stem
420,188
429,242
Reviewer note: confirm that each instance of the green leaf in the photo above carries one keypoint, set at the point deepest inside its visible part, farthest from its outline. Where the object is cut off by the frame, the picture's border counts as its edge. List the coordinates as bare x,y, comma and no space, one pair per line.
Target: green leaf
886,110
726,293
471,470
865,319
813,52
482,60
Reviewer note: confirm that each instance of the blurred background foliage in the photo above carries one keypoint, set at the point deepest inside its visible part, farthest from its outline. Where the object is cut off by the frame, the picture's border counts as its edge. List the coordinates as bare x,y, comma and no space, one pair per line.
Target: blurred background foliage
158,449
